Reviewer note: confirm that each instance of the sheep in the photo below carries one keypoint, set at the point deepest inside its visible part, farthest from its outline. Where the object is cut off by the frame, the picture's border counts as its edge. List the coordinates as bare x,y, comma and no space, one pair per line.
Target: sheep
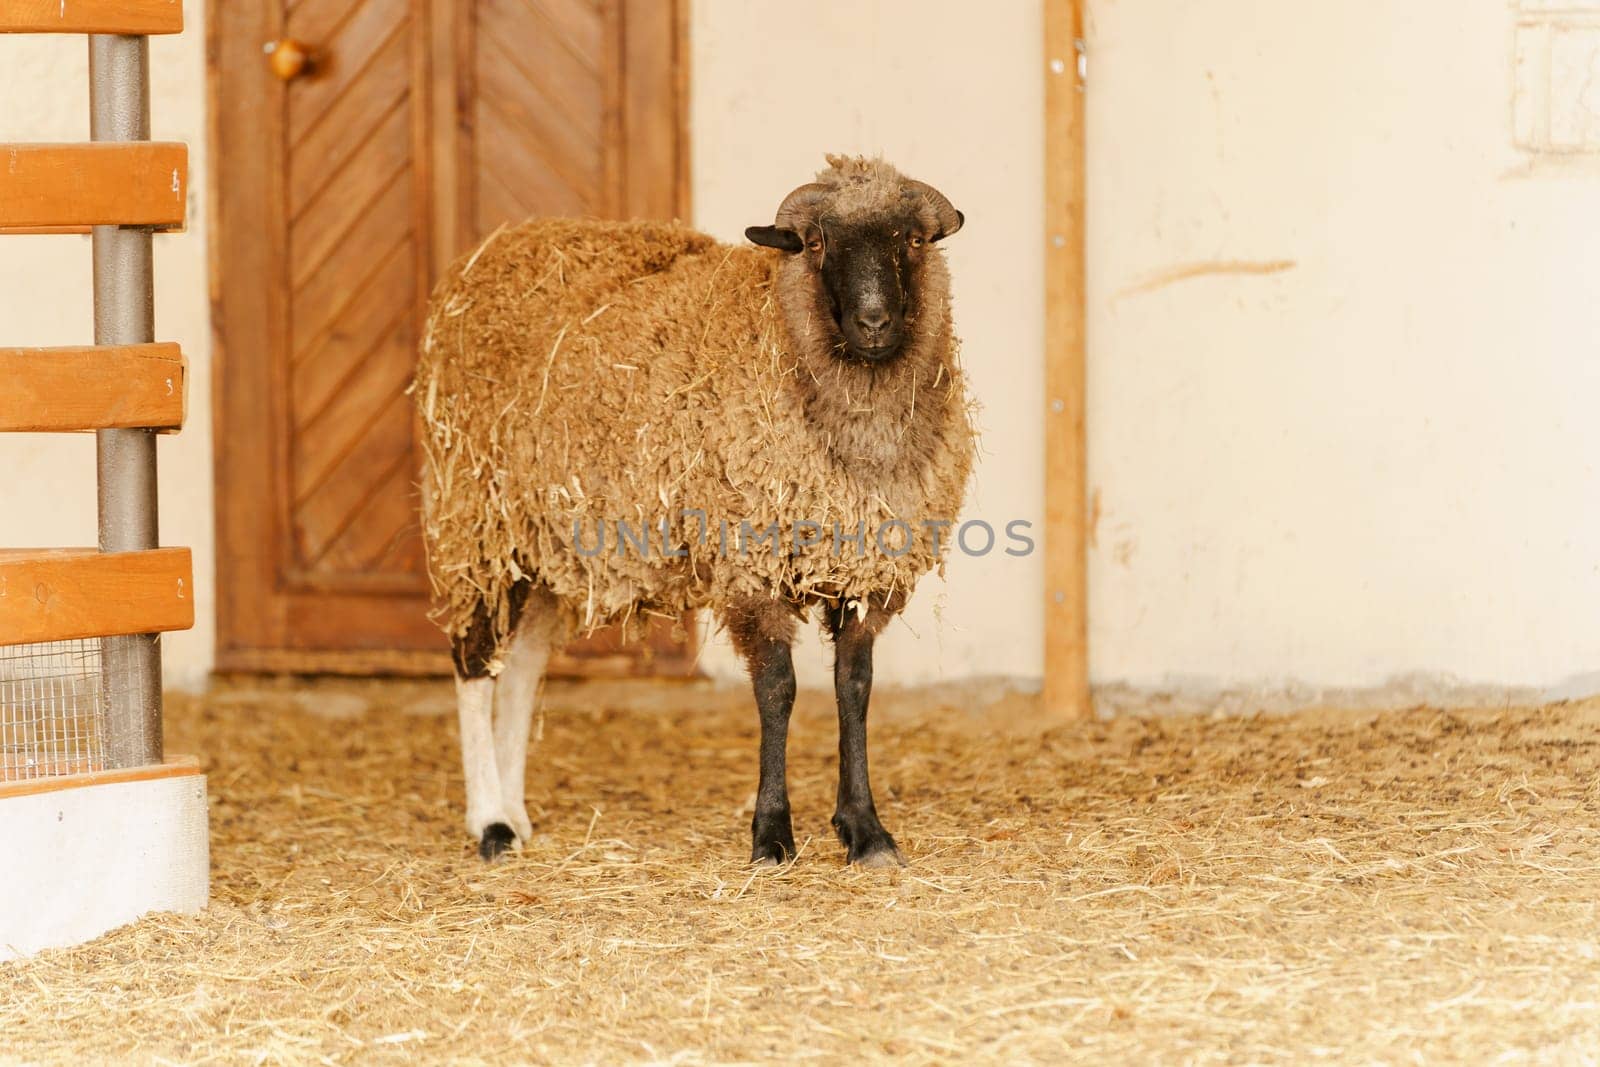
764,429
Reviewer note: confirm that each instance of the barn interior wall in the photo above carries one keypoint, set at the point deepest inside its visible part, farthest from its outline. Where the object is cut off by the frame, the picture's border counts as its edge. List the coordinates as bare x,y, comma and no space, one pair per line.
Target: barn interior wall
956,101
1343,345
1341,322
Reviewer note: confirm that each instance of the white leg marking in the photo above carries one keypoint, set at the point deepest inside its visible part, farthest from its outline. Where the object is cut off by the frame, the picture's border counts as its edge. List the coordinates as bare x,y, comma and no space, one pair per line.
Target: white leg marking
514,701
475,702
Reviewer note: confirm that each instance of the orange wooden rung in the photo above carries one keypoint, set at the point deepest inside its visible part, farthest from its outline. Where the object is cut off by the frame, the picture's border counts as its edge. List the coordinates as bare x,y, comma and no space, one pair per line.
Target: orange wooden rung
71,593
132,387
130,183
91,16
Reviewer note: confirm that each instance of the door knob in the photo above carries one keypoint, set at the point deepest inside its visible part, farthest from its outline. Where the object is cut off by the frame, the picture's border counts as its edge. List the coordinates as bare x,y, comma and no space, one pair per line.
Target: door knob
287,58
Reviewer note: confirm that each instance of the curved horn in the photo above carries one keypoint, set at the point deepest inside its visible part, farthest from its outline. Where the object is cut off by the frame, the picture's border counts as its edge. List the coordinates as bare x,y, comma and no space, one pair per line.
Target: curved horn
950,219
792,213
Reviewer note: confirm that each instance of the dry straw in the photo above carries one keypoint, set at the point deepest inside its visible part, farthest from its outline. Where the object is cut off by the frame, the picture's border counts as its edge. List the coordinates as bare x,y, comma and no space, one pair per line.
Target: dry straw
1410,887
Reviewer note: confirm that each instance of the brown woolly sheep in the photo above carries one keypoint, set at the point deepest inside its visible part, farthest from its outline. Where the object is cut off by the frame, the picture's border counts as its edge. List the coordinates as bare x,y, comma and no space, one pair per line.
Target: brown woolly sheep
765,429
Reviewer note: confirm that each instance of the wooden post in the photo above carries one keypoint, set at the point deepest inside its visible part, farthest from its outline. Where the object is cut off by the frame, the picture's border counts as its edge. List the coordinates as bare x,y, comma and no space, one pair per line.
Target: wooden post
119,110
1066,678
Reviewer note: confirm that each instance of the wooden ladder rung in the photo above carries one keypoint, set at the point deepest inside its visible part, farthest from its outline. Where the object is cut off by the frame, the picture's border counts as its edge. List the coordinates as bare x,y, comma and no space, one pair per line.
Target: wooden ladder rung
91,16
128,387
128,183
82,231
64,594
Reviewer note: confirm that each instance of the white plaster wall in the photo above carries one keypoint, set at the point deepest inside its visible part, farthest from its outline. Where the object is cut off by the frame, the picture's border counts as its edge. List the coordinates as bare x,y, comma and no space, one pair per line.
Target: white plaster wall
951,93
1379,461
47,486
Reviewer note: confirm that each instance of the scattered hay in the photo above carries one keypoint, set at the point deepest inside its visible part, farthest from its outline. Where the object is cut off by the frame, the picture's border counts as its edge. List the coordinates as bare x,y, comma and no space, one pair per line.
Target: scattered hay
1408,886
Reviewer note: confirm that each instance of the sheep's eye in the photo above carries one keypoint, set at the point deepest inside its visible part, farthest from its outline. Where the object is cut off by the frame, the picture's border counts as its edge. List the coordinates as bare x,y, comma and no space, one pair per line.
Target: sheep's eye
916,240
815,244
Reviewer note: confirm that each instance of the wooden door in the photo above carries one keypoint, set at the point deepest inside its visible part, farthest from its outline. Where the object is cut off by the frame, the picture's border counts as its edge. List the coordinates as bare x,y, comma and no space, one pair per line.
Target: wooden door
339,193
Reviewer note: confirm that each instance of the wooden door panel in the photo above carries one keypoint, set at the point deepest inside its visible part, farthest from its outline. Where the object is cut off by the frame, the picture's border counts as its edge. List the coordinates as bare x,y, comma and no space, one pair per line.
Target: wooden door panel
375,310
420,126
521,174
339,504
542,110
321,153
563,60
325,305
357,262
345,36
382,161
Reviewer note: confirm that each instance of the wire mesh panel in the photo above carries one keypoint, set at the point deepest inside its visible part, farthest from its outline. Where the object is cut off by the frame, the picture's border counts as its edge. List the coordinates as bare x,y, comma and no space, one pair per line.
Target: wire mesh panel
53,702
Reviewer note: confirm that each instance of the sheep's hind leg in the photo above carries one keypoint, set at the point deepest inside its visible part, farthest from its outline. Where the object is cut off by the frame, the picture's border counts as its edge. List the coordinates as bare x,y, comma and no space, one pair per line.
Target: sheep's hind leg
516,696
762,632
855,818
487,821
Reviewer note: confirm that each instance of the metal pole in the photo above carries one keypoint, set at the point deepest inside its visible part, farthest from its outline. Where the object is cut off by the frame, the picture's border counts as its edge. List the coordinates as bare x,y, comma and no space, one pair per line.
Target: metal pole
119,110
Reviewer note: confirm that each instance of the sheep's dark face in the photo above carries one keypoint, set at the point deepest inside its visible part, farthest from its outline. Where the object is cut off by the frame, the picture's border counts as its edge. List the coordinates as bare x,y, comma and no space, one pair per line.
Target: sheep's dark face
867,268
867,276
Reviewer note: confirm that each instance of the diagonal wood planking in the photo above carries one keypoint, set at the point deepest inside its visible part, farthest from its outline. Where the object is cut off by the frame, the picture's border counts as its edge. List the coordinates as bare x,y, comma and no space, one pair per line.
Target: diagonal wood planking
327,146
541,110
333,221
352,272
542,123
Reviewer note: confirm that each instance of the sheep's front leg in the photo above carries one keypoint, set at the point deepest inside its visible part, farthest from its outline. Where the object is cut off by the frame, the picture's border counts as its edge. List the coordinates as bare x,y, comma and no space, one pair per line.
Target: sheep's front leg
771,830
855,818
762,632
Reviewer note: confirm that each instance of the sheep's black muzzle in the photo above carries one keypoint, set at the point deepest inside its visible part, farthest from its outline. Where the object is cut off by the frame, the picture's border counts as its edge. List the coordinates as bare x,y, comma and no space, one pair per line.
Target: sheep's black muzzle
864,277
873,335
879,354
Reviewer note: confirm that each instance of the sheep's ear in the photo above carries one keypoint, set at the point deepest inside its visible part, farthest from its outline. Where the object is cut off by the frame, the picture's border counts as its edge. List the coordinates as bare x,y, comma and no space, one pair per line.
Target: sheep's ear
942,234
775,237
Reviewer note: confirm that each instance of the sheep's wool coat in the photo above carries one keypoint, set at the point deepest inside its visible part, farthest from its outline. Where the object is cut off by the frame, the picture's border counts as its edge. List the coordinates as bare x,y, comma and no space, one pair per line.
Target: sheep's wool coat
578,373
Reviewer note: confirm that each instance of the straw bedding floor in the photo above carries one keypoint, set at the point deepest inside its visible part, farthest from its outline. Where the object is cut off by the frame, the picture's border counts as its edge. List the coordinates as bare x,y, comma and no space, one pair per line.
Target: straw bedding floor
1417,886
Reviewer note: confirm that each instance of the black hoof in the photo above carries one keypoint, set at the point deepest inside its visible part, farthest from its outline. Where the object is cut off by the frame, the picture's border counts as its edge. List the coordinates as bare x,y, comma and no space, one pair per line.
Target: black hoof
866,842
497,839
772,839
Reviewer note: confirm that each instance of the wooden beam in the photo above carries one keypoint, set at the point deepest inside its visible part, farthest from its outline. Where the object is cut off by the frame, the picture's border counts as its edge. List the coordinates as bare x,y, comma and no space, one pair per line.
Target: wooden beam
417,664
93,388
14,784
91,16
1066,651
82,231
130,183
63,595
